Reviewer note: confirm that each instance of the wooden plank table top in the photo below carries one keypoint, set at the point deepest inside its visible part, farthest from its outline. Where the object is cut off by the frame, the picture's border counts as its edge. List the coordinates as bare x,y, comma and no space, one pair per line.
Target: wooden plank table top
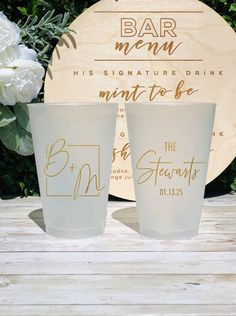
119,272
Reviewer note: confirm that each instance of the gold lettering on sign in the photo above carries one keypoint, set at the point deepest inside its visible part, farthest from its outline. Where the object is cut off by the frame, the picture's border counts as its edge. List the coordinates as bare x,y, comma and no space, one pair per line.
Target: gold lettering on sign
157,90
124,153
155,48
127,95
179,90
130,28
168,26
152,92
148,28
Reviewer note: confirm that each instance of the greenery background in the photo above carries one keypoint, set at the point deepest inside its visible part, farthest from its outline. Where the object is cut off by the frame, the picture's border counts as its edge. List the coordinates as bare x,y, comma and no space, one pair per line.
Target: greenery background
49,20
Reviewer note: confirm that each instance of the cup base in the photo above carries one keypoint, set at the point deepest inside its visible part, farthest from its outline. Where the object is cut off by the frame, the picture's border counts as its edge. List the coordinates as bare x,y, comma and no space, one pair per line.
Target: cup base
181,235
74,233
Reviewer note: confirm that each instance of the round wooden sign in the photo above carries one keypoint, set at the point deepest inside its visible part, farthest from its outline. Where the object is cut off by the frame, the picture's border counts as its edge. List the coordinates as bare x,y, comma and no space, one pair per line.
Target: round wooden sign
122,50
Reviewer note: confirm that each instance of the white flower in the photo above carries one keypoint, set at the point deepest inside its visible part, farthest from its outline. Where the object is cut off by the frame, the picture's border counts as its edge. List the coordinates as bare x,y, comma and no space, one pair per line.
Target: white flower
6,97
21,82
7,56
27,81
20,73
16,52
9,33
26,53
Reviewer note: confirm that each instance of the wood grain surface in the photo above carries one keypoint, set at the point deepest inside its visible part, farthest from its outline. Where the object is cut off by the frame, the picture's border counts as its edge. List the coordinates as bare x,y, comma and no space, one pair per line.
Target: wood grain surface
120,272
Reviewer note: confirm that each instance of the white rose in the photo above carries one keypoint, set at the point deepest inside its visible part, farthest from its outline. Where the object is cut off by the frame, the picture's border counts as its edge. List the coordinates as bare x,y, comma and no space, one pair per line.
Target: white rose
9,33
12,53
26,53
20,74
7,56
21,82
6,95
27,81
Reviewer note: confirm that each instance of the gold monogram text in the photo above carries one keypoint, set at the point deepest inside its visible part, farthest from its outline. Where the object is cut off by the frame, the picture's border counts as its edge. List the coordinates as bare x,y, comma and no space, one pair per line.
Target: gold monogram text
159,169
58,162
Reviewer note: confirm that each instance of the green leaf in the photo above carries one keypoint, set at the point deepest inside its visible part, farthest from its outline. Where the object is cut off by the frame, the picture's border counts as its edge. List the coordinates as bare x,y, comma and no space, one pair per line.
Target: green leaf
6,116
22,185
45,4
23,10
9,136
25,145
22,116
17,139
42,33
233,185
232,7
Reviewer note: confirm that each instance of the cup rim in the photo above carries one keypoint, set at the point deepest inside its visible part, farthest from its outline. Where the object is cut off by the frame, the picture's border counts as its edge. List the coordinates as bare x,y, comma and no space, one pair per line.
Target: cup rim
71,104
171,104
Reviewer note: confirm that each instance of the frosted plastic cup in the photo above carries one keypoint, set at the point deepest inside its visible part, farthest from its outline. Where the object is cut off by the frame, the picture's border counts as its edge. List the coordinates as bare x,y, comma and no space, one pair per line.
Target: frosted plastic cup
170,147
73,146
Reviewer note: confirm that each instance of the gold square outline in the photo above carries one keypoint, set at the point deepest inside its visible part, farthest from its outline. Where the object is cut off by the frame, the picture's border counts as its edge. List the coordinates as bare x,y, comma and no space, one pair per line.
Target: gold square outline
99,173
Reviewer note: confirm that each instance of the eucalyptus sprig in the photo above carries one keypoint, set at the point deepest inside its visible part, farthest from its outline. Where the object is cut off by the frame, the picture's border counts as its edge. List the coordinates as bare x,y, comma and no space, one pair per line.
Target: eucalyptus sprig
42,34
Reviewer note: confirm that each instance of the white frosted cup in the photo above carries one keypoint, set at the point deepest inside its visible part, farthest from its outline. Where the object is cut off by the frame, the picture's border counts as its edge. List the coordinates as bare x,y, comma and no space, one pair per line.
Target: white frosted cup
73,146
170,147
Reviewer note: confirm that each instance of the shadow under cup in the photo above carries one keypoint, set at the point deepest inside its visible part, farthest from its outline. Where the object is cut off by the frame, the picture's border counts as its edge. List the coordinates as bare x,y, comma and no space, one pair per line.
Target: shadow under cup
170,147
73,146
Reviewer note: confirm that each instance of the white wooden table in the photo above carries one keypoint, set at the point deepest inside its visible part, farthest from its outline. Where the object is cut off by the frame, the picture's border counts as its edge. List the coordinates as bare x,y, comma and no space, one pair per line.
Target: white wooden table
120,272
